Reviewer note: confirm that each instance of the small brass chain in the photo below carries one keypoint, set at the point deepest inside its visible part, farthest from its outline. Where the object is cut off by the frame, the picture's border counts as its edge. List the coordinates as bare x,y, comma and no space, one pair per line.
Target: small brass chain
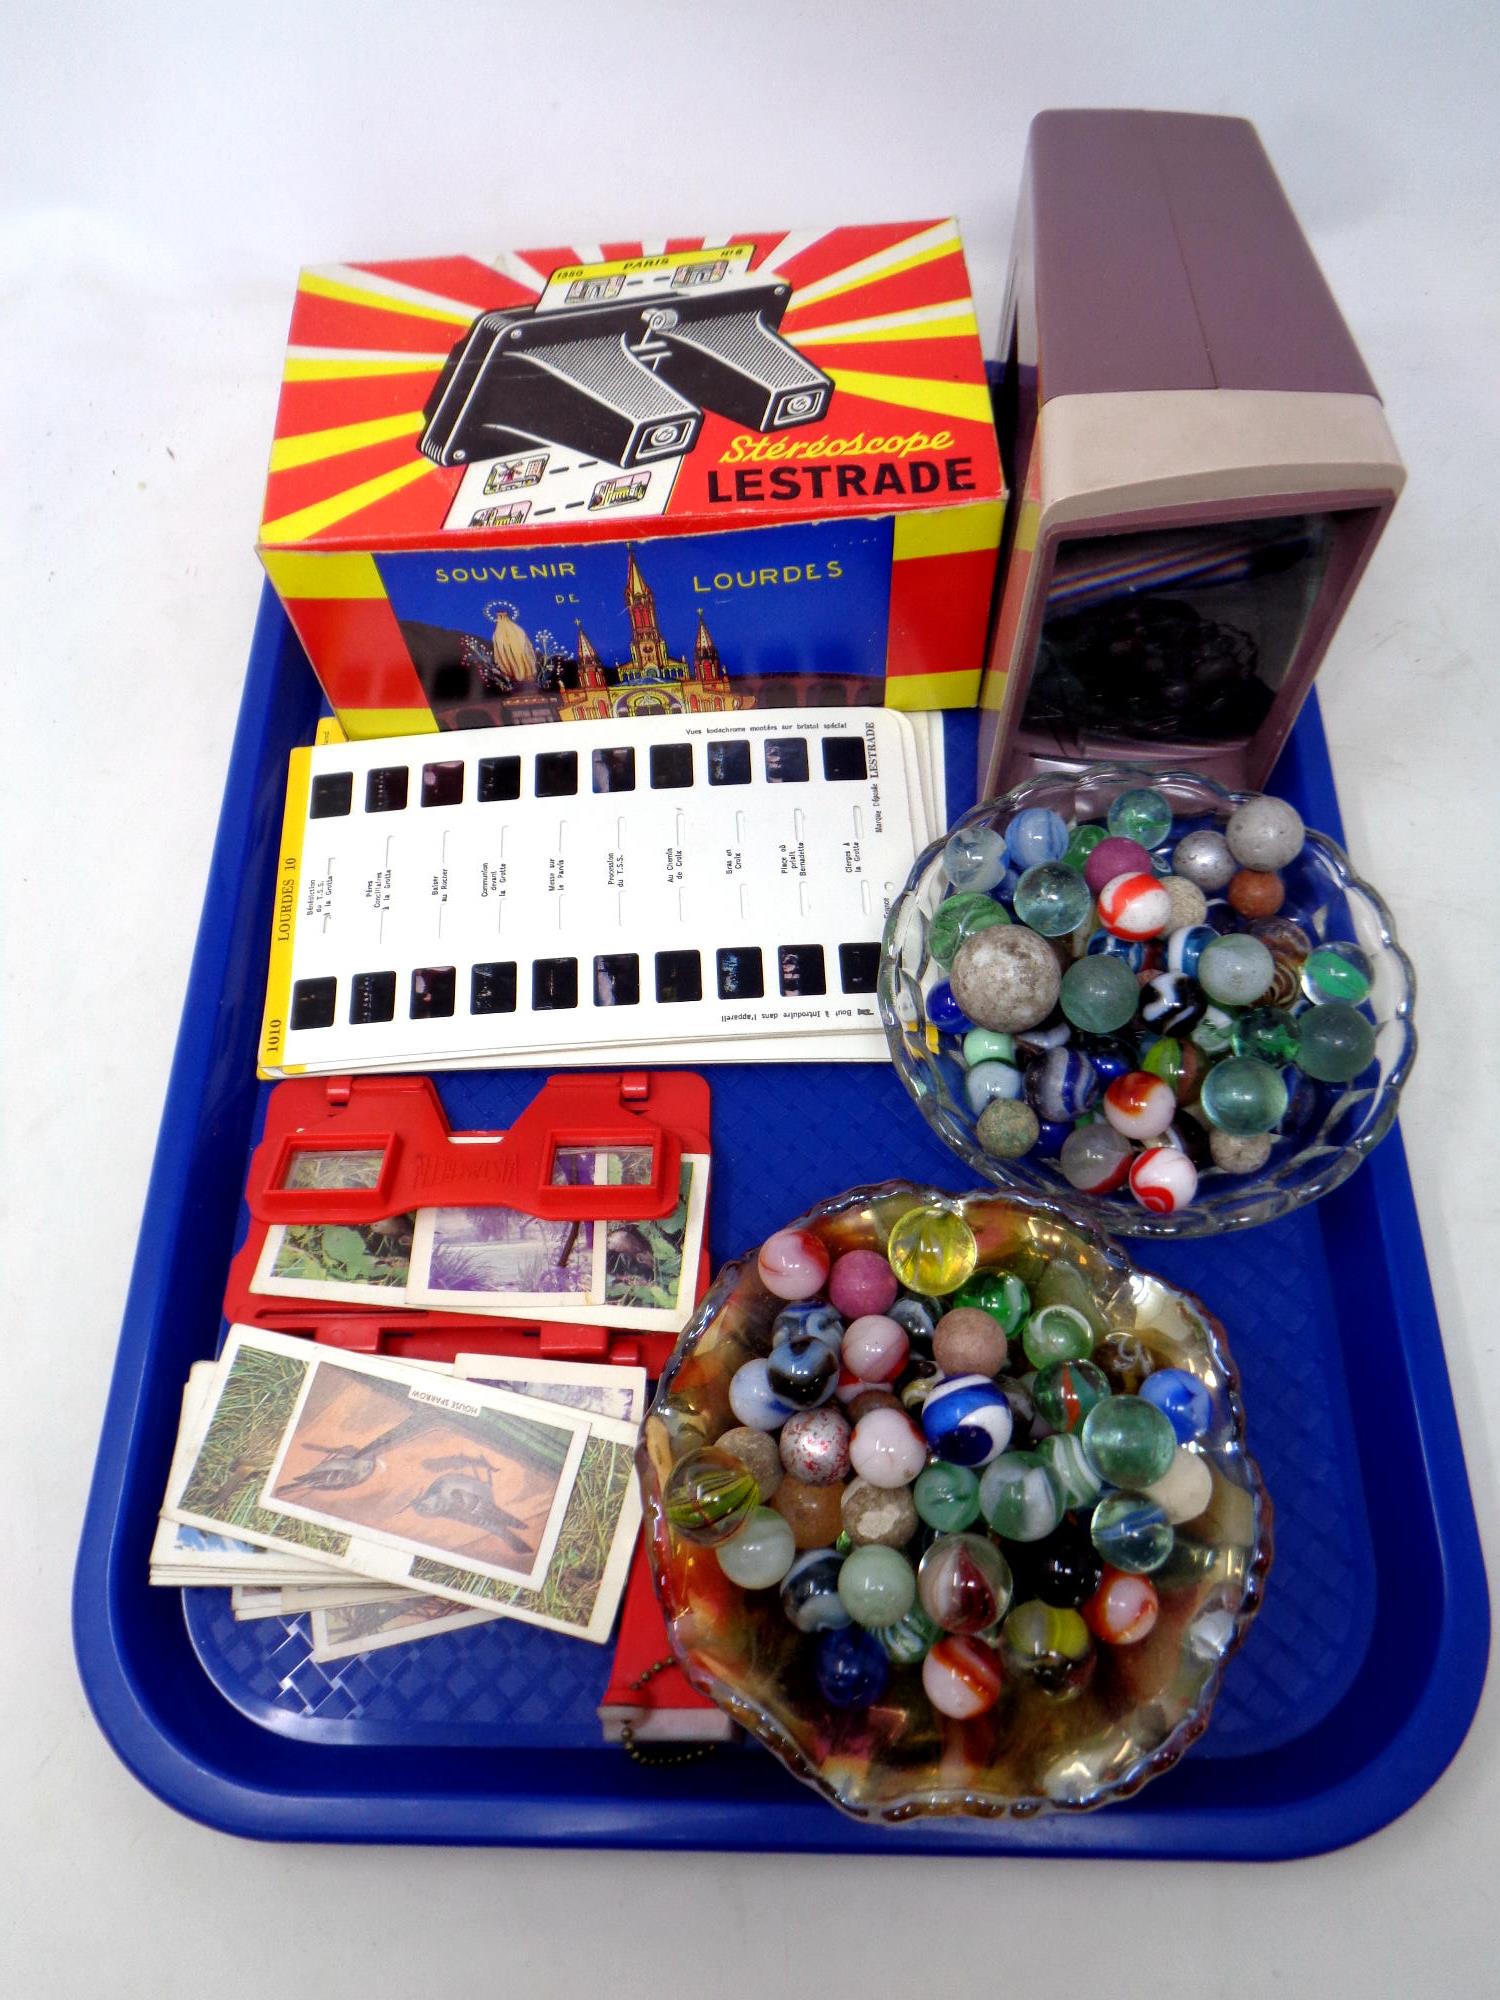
692,1754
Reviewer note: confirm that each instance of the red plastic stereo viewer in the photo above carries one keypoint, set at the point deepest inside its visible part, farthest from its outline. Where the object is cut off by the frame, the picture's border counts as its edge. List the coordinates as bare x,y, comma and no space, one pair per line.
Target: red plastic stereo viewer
356,1149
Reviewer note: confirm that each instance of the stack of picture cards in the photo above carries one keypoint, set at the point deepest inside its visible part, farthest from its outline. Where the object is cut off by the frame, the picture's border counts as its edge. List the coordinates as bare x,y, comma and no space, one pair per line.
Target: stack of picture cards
681,887
395,1500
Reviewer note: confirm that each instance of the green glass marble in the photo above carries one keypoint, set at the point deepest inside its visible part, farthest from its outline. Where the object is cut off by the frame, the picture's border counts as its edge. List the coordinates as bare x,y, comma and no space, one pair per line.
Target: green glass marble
999,1293
1052,899
1065,1392
1337,972
946,1497
1019,1498
1057,1333
710,1494
959,918
1141,815
1128,1442
1214,1034
1131,1533
908,1642
988,1045
1244,1095
1337,1042
1099,994
1081,843
877,1586
1064,1457
1268,1032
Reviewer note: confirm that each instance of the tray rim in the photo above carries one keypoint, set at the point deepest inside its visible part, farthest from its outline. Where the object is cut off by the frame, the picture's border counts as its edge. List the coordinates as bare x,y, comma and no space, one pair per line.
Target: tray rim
1404,1766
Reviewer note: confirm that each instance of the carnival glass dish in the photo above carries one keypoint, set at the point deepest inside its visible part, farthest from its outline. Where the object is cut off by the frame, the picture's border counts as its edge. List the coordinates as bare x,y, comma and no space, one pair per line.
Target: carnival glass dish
1333,1128
1033,1753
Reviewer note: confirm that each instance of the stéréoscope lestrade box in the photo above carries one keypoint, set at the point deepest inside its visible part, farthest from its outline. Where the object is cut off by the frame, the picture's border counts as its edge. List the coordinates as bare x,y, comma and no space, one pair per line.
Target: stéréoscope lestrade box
633,478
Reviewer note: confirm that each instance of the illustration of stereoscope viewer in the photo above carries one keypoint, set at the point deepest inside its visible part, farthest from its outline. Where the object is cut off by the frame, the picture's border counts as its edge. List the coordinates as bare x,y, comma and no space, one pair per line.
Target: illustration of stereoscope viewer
626,382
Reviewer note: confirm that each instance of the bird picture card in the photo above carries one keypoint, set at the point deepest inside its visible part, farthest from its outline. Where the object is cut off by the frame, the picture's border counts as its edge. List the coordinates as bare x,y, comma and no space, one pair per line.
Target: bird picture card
379,1467
361,1262
599,1388
339,1632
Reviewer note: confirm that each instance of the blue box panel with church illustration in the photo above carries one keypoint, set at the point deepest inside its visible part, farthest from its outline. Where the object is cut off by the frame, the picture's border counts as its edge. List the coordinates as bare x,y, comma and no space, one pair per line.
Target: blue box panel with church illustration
689,623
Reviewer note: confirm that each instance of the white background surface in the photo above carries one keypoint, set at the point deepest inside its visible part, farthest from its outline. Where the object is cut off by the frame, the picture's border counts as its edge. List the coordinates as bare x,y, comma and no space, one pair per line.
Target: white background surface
163,172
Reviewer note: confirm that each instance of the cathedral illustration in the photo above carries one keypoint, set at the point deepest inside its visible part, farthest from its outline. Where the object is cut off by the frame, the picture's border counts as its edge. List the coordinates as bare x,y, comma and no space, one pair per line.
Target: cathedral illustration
520,677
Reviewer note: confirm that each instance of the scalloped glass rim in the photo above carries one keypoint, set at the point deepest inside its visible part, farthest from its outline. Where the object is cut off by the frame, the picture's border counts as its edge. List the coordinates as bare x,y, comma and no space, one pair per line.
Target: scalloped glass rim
1224,1201
674,1426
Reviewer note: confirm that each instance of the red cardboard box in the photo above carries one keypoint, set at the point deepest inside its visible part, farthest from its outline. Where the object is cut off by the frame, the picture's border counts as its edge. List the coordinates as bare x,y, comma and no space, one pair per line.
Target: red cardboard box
635,477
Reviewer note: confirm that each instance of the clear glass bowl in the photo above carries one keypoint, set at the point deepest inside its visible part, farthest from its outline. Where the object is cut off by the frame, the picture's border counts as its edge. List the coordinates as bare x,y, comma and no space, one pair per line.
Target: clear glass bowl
1033,1753
1324,895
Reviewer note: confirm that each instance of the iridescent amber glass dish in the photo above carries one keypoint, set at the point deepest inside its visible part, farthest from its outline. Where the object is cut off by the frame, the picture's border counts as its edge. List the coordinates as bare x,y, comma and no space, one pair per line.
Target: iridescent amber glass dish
1033,1753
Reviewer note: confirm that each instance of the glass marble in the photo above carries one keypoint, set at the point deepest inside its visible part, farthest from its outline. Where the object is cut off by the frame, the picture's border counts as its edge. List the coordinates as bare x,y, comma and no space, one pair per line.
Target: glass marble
1038,834
966,1420
919,1316
1057,1333
1140,1106
810,1592
987,1045
989,1080
1099,994
1268,1032
932,1250
999,1293
975,858
1182,1399
1064,1457
1204,858
947,1497
810,1316
908,1641
958,918
760,1552
877,1586
1214,1034
1338,1043
944,1012
1185,1489
887,1449
1143,815
876,1347
1095,1158
1081,843
1265,833
964,1583
815,1446
710,1496
1115,856
861,1281
1337,972
1163,1179
1235,970
1135,906
1243,1095
1106,944
961,1677
1005,979
1123,1610
1052,1033
1186,946
852,1669
1128,1442
1065,1392
754,1401
1052,898
1061,1085
1131,1532
1110,1056
1171,1004
793,1264
1177,1063
1019,1498
803,1370
1063,1570
1048,1648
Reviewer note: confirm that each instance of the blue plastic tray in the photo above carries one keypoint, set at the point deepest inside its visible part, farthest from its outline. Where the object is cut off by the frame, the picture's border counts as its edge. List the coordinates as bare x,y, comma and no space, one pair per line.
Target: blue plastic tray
1354,1690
